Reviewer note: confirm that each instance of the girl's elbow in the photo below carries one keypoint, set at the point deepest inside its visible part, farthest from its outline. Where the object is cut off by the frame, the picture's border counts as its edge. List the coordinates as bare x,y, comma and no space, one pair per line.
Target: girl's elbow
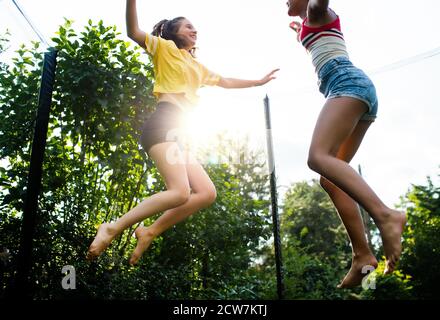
222,83
227,83
130,34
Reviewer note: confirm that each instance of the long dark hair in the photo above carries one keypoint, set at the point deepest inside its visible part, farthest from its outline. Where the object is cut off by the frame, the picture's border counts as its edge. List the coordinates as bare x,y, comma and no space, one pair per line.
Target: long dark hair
167,29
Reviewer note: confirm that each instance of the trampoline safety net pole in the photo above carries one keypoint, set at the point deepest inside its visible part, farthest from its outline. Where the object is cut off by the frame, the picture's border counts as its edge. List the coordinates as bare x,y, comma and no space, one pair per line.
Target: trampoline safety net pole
274,201
22,286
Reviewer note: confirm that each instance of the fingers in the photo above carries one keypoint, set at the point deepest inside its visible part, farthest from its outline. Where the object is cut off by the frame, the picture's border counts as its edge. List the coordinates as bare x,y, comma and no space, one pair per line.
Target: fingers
295,26
270,74
269,77
266,80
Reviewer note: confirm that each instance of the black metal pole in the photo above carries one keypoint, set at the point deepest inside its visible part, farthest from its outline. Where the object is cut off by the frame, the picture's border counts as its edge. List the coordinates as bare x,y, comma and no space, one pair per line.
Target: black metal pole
274,202
22,286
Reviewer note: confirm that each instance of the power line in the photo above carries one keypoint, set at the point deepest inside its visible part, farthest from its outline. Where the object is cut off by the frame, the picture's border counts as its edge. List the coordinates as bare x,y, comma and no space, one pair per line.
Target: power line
404,62
391,67
39,34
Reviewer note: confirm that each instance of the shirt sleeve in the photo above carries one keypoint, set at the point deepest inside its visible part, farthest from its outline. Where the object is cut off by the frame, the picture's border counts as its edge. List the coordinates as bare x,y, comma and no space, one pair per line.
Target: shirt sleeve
151,44
209,78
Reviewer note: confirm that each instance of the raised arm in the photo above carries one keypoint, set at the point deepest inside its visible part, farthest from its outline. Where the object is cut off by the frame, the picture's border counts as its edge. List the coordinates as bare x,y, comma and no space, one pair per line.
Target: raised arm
133,30
317,9
231,83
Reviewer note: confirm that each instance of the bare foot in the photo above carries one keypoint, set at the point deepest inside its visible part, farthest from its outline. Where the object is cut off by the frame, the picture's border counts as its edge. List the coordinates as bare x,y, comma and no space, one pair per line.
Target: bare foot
361,266
104,237
391,229
144,237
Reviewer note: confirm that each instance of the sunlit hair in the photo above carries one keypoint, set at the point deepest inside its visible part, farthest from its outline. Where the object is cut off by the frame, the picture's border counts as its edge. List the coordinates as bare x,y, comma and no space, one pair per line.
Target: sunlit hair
167,29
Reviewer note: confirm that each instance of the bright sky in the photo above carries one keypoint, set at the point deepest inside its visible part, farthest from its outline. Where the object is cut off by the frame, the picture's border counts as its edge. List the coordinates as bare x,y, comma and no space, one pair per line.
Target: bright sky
248,38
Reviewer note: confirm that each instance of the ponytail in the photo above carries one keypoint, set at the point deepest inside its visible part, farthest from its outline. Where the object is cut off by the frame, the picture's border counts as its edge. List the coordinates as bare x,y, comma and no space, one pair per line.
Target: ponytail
167,29
158,28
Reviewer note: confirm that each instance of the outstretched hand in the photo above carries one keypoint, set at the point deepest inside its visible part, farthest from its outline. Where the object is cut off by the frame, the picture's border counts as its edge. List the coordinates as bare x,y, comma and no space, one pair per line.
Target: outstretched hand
296,26
269,77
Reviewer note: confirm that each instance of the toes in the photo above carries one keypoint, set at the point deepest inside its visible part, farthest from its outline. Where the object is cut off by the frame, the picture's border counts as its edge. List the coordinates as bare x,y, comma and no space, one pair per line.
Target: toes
134,259
389,266
95,250
144,240
135,256
90,256
387,270
133,262
344,285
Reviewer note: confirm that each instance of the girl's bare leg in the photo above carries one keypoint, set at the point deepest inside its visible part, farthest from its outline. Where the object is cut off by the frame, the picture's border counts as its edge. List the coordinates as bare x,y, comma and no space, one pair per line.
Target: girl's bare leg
336,123
350,215
203,194
177,193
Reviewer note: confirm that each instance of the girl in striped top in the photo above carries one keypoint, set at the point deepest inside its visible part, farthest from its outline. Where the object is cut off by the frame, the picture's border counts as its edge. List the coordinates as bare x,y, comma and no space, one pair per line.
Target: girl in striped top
178,76
350,109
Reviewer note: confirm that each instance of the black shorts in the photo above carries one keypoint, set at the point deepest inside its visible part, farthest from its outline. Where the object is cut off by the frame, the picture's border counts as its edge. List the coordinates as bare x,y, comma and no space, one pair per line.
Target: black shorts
163,125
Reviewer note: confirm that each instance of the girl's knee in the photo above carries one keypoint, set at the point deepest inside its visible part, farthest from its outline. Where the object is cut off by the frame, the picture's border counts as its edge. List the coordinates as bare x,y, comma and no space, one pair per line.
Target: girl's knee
211,196
314,161
208,196
318,158
180,195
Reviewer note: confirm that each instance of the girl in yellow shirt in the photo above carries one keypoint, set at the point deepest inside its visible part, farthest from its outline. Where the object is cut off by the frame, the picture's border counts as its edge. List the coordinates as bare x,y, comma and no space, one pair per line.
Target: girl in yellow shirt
178,76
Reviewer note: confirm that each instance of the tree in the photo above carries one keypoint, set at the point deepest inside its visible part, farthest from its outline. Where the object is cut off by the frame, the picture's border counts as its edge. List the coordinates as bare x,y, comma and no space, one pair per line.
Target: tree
417,276
421,247
315,247
310,217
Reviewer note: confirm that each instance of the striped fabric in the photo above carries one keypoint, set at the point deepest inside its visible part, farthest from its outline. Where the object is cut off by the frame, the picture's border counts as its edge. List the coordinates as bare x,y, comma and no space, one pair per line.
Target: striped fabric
312,37
323,43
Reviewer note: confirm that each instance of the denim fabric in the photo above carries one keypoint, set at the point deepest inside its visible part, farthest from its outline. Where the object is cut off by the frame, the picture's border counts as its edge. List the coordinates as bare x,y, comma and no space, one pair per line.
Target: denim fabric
340,78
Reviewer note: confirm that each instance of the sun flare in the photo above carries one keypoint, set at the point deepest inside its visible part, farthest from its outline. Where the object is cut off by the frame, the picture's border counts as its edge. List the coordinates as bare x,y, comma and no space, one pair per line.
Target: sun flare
224,116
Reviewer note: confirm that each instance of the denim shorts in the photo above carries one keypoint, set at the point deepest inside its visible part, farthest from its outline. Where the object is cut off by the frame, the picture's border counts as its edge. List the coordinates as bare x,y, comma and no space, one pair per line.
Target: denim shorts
340,78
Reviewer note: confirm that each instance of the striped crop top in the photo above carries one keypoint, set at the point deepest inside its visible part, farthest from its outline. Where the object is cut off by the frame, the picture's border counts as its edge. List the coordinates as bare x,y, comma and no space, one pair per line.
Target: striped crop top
323,43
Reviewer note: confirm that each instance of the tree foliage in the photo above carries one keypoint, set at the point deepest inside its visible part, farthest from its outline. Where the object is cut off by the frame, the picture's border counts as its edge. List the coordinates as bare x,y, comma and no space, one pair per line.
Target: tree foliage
421,254
95,171
310,218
